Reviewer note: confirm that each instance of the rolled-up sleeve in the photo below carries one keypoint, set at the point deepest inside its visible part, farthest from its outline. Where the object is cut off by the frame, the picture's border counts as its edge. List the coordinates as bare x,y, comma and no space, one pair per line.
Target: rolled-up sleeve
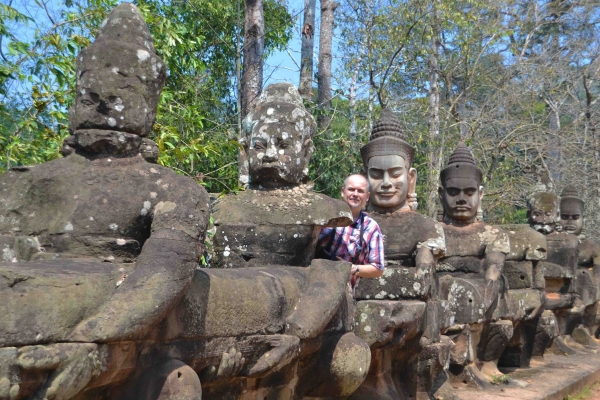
325,237
376,257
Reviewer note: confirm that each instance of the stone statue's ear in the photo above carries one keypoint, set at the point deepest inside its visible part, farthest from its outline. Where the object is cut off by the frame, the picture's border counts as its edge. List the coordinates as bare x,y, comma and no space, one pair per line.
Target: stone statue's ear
479,214
412,180
441,194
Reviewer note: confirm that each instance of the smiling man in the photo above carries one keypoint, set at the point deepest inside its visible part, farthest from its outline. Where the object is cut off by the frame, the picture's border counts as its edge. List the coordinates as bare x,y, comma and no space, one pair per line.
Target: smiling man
361,243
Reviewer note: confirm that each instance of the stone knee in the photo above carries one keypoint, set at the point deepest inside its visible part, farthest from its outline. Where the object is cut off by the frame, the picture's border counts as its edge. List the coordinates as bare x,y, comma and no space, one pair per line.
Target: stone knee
342,368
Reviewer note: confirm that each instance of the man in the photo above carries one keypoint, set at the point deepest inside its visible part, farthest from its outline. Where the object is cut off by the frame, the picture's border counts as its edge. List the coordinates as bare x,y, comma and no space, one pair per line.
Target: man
366,253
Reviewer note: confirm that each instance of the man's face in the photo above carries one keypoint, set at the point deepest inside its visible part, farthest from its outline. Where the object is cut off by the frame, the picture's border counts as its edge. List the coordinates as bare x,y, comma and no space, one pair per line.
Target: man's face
388,177
461,197
355,193
571,219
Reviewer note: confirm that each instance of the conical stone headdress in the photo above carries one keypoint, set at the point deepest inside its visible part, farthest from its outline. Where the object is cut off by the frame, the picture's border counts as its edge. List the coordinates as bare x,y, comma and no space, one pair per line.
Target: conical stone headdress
121,61
569,198
387,139
461,165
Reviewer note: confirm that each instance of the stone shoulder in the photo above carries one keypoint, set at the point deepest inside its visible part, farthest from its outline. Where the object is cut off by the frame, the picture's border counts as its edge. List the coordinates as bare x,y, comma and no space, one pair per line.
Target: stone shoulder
525,242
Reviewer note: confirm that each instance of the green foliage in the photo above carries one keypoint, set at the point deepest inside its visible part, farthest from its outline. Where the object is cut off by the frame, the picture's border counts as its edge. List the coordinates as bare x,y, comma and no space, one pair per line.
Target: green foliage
337,155
500,379
584,394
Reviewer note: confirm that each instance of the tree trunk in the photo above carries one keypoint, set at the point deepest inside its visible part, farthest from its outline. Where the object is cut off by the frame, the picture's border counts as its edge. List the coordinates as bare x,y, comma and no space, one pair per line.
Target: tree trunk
254,33
308,44
434,116
352,100
324,76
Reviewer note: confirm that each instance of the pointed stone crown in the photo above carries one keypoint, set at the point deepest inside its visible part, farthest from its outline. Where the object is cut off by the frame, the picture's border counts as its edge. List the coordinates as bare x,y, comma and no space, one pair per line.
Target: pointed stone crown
570,197
387,138
461,165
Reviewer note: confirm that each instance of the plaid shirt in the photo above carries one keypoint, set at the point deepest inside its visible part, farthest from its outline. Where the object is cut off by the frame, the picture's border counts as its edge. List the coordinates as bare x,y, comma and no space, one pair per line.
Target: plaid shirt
346,242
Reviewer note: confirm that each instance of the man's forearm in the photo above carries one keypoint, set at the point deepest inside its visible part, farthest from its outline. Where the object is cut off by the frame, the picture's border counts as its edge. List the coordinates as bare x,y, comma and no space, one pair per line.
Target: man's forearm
367,271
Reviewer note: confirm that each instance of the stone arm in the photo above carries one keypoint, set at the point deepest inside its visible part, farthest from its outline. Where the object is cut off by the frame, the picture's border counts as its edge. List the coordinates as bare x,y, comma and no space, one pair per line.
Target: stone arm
164,269
425,263
493,265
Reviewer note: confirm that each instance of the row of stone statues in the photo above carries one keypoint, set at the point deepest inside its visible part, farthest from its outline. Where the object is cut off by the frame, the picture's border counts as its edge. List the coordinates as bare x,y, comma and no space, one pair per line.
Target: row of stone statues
103,297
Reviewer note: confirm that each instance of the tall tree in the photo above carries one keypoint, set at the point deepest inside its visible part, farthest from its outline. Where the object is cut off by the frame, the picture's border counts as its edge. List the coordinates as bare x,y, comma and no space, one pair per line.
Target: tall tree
254,51
307,51
325,57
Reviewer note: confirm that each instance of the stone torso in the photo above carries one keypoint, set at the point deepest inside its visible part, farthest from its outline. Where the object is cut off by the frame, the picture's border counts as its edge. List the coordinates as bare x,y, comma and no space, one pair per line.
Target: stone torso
404,233
467,246
259,228
76,207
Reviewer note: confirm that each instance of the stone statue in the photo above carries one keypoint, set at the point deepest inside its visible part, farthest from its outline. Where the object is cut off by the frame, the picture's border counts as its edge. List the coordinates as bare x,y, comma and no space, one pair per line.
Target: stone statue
523,302
395,306
103,242
277,143
543,215
587,274
272,228
470,272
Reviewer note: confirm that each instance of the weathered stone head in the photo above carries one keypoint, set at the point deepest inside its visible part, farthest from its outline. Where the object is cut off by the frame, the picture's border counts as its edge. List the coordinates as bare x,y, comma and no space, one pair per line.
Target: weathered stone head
277,139
387,160
119,80
461,190
543,212
571,210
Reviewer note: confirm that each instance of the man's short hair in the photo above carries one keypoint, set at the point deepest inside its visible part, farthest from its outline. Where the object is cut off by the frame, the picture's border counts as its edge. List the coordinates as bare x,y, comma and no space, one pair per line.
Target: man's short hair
362,176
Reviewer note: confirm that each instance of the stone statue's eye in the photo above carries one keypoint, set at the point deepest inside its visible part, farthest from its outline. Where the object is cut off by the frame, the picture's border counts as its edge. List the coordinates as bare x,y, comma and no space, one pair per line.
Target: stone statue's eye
375,174
259,144
87,102
284,144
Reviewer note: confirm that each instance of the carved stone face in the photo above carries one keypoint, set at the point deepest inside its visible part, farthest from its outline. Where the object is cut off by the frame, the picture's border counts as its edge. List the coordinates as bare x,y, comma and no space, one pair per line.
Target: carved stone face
99,106
571,219
460,198
391,180
119,77
278,139
543,212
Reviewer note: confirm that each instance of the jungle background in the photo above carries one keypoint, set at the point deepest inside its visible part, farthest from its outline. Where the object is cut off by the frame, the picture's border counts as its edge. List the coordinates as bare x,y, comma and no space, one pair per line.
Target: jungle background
517,80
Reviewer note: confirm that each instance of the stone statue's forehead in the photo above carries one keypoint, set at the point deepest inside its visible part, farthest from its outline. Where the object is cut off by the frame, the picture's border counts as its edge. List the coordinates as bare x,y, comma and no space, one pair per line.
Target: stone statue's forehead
387,162
571,208
461,183
546,202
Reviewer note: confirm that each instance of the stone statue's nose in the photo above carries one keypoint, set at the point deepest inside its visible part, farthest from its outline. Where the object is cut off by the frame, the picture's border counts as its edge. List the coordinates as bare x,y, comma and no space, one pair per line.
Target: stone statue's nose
270,155
102,107
387,183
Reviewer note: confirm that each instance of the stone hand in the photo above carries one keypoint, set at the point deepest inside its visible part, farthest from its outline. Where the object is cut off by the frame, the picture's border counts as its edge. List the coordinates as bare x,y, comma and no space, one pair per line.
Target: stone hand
284,349
231,364
71,366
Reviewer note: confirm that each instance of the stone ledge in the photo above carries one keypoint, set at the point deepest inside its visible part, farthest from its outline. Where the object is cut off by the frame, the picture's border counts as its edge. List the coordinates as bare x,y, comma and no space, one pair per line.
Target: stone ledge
551,379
